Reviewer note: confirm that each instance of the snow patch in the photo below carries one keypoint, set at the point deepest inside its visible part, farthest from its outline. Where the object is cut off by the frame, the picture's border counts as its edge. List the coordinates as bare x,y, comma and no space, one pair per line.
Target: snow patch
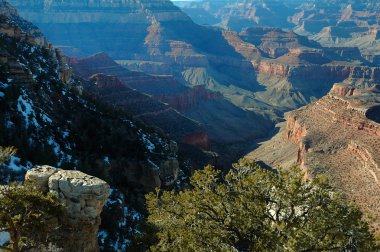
25,107
65,134
115,197
3,85
14,164
45,118
153,165
145,139
4,238
129,214
9,124
106,160
102,235
58,152
132,124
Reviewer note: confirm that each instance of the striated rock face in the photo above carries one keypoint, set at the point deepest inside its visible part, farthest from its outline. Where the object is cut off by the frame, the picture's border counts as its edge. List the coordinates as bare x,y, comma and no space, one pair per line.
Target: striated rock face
151,36
118,90
242,14
12,26
344,23
328,72
18,29
83,197
274,42
248,50
295,70
339,136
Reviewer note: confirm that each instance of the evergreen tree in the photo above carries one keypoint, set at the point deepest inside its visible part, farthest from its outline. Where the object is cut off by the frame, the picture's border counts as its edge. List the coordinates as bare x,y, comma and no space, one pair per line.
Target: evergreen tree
254,209
28,215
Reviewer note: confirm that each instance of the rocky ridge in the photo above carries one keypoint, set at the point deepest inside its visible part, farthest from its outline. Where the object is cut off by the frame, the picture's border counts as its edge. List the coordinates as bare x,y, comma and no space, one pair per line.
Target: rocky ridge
83,198
48,117
331,23
214,116
295,70
174,45
337,136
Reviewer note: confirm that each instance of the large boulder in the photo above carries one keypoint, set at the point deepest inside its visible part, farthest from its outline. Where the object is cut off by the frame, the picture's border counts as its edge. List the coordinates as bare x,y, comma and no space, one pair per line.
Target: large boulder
83,197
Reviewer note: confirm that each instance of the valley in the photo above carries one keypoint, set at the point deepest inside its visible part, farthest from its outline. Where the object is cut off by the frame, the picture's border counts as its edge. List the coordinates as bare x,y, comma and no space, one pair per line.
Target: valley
249,76
145,93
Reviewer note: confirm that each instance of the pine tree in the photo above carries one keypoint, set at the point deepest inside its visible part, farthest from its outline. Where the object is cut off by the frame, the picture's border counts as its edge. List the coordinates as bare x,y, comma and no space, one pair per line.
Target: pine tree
28,215
253,209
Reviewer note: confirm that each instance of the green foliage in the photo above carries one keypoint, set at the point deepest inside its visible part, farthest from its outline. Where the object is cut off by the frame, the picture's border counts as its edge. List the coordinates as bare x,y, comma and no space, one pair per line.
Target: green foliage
28,215
6,153
253,209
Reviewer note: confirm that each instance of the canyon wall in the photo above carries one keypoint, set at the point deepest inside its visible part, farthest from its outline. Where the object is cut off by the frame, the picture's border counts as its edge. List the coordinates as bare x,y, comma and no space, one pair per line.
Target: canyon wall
334,136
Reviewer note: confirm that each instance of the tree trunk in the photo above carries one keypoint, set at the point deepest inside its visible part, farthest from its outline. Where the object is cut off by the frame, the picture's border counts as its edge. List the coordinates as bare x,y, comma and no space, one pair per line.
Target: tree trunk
14,235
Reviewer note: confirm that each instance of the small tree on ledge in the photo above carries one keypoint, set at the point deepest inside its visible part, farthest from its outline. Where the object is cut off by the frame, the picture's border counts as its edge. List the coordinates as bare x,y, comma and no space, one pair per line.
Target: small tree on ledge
28,215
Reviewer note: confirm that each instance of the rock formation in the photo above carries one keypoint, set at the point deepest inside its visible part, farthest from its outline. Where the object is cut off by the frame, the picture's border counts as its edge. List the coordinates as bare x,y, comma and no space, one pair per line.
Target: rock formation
83,197
193,116
295,70
45,116
159,37
339,136
332,23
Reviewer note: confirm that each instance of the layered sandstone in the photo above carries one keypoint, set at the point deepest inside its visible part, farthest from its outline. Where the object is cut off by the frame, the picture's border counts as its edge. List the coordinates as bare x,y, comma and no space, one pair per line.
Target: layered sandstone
13,27
331,23
83,198
339,136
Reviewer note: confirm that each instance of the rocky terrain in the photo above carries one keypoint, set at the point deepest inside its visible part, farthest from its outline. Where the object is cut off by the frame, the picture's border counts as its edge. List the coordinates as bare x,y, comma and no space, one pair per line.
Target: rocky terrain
191,115
210,89
339,136
117,85
331,23
257,74
50,120
295,70
83,197
156,37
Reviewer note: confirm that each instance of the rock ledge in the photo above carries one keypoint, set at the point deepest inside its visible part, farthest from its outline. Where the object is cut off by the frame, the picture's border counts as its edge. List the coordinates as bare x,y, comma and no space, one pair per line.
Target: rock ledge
83,197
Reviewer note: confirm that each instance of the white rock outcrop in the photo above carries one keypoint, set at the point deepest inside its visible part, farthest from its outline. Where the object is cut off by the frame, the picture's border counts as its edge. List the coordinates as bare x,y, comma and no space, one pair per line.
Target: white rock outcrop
83,197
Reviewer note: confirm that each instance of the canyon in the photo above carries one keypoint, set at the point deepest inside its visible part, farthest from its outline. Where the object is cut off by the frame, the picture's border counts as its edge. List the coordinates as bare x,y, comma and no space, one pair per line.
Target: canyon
336,136
204,73
331,23
136,93
193,116
48,118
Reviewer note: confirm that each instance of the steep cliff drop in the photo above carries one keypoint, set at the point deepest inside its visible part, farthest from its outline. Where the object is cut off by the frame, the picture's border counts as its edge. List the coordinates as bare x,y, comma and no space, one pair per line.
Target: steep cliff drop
83,197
